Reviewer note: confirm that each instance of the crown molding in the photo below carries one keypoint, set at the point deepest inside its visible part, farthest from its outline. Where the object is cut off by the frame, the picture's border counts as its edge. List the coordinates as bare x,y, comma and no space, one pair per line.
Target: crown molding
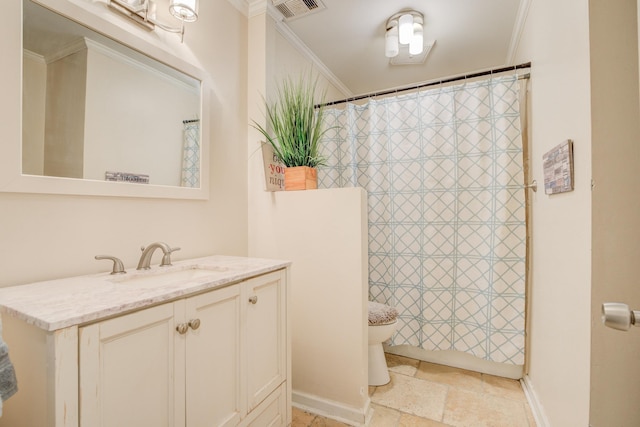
304,50
518,28
257,7
250,8
33,56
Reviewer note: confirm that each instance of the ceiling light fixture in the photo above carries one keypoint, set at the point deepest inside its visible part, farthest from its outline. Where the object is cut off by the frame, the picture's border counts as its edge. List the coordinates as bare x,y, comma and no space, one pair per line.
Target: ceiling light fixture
404,28
143,12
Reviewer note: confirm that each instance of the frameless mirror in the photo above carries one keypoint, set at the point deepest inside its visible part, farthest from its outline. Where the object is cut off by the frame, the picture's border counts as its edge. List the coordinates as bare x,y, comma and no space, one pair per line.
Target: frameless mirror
95,109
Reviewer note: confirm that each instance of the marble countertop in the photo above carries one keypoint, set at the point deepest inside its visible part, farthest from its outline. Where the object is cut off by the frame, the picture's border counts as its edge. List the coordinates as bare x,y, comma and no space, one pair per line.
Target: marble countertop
57,304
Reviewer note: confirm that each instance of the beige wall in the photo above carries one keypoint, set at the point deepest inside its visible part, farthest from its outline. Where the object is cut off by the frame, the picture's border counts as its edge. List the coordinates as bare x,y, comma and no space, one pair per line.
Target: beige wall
324,234
52,236
329,335
291,61
272,59
556,41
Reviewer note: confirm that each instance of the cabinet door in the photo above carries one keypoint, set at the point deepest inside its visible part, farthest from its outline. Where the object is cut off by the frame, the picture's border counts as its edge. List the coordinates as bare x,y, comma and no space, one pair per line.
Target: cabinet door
265,335
128,371
213,362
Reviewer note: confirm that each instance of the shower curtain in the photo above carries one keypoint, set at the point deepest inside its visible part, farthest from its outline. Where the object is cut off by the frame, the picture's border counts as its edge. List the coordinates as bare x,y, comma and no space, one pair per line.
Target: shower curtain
191,154
443,170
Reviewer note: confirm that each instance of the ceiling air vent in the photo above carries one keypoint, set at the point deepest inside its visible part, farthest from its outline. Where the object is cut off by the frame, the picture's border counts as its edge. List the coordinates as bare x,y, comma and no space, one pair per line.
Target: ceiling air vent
291,9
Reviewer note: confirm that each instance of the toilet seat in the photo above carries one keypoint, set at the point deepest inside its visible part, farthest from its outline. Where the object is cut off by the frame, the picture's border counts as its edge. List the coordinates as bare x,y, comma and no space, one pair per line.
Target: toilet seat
381,314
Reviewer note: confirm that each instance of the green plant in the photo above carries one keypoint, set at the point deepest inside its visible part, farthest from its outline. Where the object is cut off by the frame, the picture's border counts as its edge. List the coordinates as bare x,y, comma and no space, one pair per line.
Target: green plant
296,123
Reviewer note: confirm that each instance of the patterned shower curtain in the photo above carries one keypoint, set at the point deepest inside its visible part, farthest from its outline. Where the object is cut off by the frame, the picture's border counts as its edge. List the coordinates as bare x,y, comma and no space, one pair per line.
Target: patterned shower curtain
191,154
443,169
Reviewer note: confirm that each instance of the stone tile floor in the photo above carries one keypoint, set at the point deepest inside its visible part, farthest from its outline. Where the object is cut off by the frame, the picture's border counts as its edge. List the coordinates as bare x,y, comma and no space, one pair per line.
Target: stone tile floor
423,394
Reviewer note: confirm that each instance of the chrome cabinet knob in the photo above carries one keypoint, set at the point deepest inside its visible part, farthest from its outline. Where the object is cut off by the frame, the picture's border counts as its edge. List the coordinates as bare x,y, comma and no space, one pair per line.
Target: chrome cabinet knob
182,328
194,324
253,299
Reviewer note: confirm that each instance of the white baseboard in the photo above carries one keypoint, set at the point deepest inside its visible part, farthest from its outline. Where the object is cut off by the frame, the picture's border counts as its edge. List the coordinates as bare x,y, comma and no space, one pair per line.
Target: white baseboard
330,409
534,403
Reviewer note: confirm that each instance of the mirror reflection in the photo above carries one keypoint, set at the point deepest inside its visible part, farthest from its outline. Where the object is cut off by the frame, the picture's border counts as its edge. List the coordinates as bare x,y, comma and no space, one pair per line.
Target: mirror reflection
95,109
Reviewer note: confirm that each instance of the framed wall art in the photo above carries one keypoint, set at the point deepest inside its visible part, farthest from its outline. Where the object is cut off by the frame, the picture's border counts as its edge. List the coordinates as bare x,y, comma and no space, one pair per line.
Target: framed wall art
558,168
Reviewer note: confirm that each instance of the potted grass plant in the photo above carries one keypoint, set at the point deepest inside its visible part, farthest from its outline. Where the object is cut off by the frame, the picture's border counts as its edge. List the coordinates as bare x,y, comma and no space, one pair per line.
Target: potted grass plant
296,130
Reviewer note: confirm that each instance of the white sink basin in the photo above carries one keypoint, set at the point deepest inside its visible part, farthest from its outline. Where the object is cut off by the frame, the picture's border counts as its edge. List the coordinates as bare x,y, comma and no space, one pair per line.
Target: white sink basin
167,277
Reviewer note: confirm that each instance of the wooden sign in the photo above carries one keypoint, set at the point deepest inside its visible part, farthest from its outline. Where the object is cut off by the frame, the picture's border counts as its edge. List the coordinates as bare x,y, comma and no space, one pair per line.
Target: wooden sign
273,169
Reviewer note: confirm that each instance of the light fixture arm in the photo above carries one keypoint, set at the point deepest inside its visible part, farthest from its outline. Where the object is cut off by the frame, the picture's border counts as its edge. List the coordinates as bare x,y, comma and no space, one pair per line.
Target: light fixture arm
142,14
393,19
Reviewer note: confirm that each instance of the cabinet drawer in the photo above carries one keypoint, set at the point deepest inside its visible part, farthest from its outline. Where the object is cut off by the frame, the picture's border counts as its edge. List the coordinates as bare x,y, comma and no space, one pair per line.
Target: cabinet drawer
272,412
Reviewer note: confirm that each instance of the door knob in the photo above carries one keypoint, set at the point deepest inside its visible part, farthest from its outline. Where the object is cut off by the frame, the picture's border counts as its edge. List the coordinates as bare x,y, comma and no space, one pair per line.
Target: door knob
182,328
253,299
617,315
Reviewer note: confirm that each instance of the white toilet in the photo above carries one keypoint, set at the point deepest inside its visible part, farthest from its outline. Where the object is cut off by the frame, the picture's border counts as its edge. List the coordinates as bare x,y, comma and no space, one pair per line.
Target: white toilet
382,324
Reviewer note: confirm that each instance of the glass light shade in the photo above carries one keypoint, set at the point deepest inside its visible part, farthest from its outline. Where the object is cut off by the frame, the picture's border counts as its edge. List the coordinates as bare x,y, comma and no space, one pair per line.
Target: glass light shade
405,32
134,5
391,47
417,40
151,12
185,10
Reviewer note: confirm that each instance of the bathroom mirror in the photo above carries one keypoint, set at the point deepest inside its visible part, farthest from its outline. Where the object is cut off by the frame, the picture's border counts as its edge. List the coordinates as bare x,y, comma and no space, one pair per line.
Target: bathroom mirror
101,118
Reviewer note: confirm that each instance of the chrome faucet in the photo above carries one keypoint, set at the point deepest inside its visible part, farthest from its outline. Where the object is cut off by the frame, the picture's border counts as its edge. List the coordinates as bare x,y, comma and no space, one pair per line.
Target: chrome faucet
145,258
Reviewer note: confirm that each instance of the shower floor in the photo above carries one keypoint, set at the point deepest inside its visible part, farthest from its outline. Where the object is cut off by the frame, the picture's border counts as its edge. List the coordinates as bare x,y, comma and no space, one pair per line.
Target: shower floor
426,394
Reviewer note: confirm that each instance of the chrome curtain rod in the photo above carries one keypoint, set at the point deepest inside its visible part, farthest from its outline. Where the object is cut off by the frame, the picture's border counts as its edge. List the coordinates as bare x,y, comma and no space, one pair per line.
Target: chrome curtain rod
433,83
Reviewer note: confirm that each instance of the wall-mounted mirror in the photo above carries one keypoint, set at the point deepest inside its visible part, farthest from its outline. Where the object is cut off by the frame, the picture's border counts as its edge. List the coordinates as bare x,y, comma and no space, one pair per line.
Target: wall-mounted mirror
102,118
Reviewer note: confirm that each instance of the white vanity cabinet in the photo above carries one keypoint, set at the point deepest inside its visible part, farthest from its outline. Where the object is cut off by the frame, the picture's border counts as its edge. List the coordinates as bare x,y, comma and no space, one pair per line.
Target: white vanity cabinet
228,356
216,357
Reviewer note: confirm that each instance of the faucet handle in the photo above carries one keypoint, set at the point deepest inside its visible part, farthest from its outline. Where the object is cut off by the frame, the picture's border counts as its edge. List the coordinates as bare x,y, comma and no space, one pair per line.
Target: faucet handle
118,267
166,258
